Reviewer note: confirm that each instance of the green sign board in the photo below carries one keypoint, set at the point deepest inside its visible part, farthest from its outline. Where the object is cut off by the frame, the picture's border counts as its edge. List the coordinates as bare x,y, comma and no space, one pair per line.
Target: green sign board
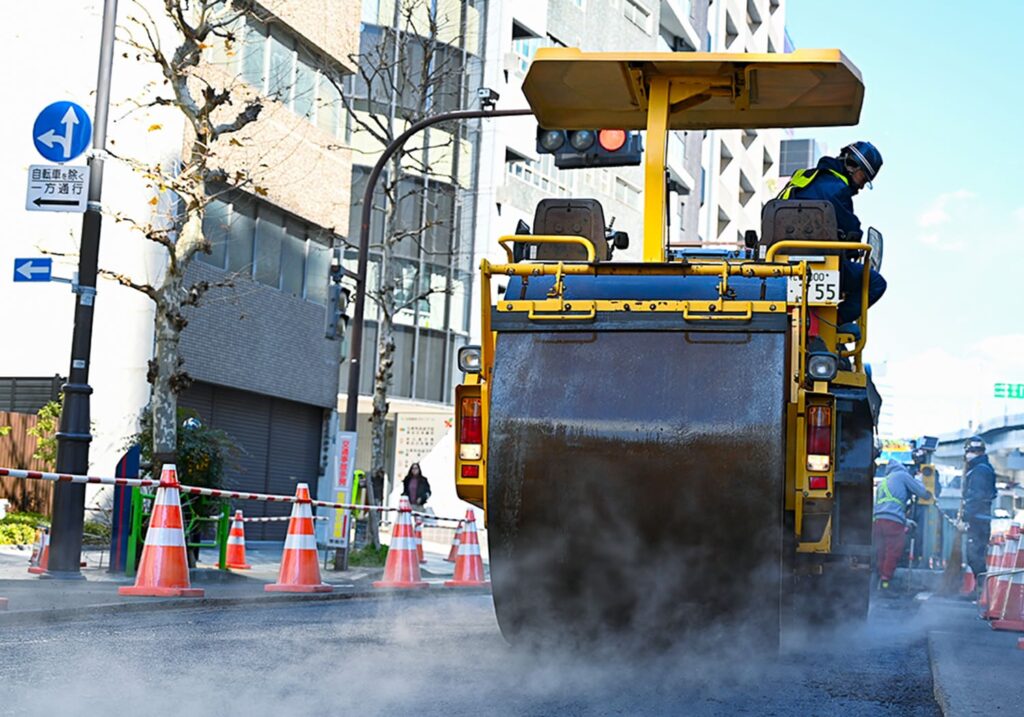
1009,390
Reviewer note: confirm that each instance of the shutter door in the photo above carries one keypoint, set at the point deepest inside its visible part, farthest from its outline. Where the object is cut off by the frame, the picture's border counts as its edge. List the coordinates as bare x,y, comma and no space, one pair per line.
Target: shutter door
279,442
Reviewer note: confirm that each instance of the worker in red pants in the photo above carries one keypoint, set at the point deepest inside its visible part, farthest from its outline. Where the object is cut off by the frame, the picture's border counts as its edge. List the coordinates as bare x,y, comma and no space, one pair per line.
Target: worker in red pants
890,526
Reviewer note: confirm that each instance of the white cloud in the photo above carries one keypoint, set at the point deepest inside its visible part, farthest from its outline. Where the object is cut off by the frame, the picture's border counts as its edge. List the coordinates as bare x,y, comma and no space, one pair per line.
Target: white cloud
936,391
937,213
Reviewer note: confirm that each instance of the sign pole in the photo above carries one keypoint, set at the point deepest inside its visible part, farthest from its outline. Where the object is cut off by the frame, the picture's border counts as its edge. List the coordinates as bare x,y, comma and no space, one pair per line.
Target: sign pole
74,435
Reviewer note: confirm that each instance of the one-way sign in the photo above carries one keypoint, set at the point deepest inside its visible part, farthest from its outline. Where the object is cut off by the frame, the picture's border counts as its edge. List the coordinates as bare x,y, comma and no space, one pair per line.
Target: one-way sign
57,188
33,269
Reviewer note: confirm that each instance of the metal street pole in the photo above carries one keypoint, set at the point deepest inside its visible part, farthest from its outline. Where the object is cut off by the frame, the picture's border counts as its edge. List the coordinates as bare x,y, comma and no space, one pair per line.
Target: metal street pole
356,344
74,435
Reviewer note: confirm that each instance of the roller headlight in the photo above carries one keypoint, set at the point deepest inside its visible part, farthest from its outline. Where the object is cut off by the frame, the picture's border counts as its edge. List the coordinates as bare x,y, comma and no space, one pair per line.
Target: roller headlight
469,359
822,366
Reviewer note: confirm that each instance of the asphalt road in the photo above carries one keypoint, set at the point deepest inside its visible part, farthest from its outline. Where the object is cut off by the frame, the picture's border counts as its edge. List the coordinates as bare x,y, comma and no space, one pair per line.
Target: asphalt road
439,655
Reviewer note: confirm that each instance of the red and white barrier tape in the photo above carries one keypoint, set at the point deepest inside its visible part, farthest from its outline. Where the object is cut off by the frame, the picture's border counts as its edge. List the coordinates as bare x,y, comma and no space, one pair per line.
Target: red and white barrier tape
275,518
196,490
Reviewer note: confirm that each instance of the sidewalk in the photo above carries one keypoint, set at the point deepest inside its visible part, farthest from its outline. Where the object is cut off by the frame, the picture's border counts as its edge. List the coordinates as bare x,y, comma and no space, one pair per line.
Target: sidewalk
34,599
975,670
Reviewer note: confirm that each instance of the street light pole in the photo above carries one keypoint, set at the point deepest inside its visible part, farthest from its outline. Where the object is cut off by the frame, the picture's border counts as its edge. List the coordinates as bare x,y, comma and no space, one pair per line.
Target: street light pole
356,344
75,434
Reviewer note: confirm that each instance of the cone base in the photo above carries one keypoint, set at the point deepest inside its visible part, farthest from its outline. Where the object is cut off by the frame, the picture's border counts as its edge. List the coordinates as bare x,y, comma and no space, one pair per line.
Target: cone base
399,585
160,592
280,588
467,584
3,603
244,566
38,571
1011,625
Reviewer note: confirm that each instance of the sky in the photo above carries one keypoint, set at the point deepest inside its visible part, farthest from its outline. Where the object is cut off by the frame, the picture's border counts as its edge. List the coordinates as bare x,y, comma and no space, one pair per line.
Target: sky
943,104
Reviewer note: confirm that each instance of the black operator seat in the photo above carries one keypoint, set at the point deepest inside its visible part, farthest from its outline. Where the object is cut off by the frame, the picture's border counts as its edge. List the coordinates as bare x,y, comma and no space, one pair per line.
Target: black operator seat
797,220
570,217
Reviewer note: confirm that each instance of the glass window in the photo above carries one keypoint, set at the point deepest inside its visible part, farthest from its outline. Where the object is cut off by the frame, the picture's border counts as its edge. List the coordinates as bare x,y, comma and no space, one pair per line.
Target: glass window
305,84
215,229
329,106
253,48
318,265
241,233
279,85
293,258
269,237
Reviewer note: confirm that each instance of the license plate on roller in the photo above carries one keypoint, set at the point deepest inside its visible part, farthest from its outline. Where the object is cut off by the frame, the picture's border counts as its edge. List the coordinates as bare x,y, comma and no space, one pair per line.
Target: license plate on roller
823,289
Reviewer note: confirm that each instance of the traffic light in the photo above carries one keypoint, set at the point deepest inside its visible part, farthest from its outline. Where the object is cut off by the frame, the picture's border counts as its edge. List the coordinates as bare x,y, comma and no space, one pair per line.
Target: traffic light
577,148
337,299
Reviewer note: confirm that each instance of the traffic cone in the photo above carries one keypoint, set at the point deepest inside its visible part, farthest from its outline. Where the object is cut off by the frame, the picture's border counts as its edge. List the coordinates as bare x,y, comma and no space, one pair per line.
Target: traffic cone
42,554
37,547
419,541
992,560
300,564
454,552
236,544
402,569
1001,589
3,603
967,587
163,570
1011,610
469,566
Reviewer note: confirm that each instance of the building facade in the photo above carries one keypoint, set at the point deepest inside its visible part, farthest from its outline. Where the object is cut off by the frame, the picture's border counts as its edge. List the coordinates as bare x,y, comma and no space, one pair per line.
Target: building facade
262,369
741,167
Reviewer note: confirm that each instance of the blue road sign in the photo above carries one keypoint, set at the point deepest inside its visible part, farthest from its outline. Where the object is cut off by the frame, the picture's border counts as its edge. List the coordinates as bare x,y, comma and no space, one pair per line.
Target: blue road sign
33,269
62,131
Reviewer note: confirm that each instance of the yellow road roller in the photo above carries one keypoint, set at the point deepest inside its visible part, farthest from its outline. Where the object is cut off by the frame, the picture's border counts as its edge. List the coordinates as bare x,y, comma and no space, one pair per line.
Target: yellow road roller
686,442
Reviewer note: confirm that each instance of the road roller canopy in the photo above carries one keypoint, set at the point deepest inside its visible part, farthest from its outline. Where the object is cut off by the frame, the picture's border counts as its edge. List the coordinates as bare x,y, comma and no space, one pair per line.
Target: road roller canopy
570,89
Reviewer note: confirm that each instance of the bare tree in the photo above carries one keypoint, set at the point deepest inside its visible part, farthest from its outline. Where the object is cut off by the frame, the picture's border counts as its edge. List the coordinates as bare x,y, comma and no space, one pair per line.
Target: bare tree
414,71
176,42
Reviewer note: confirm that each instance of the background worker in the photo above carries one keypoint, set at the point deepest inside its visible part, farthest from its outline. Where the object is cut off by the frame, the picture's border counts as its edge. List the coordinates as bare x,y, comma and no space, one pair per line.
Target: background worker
889,530
979,490
837,180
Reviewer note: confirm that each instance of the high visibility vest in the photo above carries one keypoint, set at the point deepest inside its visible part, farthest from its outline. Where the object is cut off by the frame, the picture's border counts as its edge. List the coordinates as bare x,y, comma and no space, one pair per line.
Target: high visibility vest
802,178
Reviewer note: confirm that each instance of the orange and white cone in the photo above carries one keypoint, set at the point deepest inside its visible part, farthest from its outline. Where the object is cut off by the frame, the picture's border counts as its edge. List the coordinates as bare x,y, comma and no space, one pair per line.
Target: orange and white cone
419,541
997,598
163,570
300,563
992,560
1011,610
402,569
454,552
41,559
37,547
236,544
469,566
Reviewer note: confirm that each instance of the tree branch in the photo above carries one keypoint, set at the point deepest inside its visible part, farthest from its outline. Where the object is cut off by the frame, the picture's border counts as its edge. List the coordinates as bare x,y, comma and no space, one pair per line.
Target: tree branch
125,280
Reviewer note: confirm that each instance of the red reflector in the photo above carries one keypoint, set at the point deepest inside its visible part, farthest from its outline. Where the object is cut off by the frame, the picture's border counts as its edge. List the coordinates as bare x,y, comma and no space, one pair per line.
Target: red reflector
470,471
819,430
611,140
815,482
471,423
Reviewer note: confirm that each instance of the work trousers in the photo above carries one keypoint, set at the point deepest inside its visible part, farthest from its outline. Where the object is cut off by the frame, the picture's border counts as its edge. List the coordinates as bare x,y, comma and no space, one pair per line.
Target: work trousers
851,274
889,537
978,533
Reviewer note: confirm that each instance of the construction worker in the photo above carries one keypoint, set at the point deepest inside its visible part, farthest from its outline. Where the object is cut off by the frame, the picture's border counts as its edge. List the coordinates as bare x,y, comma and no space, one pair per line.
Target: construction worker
890,519
837,180
979,490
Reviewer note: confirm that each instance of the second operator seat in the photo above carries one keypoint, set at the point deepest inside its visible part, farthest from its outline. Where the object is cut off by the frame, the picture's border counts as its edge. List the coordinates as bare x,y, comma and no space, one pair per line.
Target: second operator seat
569,217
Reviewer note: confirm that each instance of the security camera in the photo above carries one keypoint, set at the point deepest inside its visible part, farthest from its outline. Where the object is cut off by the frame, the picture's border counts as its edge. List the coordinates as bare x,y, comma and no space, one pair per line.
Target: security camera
488,97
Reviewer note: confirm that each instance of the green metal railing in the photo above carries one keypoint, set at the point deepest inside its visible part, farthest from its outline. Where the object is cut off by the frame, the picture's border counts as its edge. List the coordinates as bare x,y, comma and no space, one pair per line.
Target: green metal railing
140,516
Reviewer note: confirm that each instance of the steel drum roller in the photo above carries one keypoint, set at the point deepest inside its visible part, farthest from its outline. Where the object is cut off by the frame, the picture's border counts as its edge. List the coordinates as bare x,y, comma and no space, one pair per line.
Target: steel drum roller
635,481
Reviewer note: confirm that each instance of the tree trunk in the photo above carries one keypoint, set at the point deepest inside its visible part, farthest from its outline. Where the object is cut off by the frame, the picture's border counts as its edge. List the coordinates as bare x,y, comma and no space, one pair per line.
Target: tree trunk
164,404
381,385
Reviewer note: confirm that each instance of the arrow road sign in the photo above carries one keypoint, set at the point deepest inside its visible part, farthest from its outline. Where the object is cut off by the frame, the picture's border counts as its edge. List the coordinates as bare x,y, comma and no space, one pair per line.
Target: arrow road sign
57,188
33,269
62,131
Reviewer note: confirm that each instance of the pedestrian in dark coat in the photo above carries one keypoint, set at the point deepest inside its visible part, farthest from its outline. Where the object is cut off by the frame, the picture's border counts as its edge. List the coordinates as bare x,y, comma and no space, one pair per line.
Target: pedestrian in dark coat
415,486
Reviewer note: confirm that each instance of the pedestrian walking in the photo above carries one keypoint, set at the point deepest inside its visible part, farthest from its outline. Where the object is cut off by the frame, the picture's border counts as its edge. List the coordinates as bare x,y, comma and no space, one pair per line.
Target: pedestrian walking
890,518
416,487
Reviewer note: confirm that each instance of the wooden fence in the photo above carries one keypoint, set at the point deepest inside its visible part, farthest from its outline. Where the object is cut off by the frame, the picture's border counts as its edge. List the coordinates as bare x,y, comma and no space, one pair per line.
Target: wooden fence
16,449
